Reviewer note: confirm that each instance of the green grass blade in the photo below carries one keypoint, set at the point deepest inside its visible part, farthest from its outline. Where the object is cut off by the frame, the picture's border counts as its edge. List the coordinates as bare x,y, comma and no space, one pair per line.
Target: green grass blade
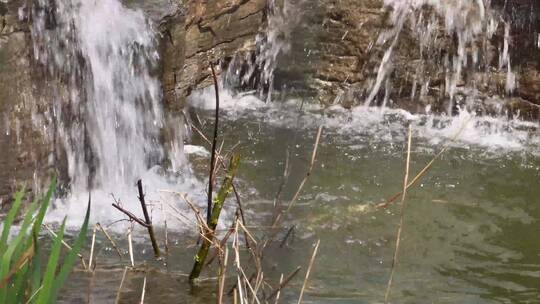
19,287
14,246
24,230
35,279
43,209
44,296
70,259
8,221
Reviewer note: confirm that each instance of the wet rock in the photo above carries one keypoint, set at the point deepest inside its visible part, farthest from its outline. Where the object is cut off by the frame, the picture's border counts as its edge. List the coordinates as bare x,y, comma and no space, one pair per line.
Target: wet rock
204,32
23,148
347,52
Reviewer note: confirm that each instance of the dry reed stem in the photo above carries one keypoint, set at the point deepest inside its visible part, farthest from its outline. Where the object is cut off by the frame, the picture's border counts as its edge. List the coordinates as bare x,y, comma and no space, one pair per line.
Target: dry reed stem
284,283
239,277
143,290
308,174
108,236
223,272
53,234
119,292
309,271
401,218
427,167
92,249
34,294
279,289
130,246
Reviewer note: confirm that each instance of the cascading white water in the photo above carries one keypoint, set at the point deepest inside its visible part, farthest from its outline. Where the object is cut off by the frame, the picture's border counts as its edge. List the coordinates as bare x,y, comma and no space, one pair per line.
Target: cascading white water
427,22
473,23
109,52
108,113
283,16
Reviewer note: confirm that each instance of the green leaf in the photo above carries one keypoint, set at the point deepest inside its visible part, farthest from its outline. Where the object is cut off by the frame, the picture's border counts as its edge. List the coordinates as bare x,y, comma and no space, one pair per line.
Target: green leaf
70,259
8,255
19,287
35,280
43,209
44,296
10,218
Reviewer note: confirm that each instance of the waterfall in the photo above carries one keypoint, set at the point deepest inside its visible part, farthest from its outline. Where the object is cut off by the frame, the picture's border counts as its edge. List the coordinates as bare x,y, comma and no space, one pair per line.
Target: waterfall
105,114
111,121
471,24
257,72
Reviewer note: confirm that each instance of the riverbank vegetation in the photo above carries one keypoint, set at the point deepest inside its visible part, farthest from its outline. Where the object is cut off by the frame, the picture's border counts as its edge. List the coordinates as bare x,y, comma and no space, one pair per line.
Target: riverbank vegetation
23,277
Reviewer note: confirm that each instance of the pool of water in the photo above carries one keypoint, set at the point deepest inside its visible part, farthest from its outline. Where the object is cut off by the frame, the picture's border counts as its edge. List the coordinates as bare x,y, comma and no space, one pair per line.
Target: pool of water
470,224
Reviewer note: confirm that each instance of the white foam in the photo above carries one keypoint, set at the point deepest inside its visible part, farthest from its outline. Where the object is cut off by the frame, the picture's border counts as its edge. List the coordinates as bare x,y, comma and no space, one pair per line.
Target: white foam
491,134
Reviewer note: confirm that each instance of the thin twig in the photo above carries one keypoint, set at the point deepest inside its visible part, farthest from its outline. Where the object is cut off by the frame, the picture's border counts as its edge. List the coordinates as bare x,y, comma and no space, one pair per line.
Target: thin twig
309,271
289,232
148,220
214,143
131,215
53,234
283,283
426,168
402,213
310,169
108,236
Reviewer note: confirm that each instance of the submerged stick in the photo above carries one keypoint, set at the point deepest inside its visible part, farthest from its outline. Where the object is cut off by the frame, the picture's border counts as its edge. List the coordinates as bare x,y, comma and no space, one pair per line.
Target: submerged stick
224,191
214,143
148,220
283,283
402,213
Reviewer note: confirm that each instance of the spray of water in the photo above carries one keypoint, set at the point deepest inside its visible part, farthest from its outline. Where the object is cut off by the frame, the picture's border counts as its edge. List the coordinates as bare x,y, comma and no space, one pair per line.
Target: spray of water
472,23
258,72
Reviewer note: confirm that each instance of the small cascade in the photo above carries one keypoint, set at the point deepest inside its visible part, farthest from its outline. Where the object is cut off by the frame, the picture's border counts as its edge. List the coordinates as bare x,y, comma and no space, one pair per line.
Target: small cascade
455,38
106,118
256,71
110,116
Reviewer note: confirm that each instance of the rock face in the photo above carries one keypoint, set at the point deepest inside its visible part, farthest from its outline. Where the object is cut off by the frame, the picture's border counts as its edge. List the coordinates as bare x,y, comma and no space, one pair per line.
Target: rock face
348,48
205,31
22,145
